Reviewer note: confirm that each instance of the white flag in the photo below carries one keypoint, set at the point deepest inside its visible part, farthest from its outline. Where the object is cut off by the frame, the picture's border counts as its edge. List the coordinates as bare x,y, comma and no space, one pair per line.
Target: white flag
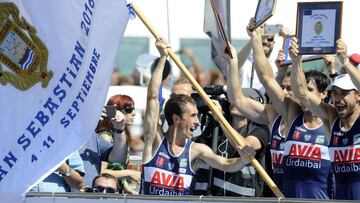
213,31
56,59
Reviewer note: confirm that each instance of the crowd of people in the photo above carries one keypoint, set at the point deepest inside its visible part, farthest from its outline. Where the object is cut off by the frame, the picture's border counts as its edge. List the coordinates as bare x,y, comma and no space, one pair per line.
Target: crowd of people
301,127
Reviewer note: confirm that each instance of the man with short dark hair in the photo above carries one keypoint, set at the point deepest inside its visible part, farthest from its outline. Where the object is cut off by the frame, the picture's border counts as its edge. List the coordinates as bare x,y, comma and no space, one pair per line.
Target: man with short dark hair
104,183
306,162
170,158
249,77
341,119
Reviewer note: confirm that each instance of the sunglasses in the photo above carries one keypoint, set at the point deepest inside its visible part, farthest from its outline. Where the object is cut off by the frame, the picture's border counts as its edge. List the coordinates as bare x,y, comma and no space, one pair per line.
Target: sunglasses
268,38
101,189
129,109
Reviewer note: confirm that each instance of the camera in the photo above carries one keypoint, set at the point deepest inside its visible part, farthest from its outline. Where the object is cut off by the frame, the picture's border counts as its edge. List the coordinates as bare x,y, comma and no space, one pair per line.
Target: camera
216,92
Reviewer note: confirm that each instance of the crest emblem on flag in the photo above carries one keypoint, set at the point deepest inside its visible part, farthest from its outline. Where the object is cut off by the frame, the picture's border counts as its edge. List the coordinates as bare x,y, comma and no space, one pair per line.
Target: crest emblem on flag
23,56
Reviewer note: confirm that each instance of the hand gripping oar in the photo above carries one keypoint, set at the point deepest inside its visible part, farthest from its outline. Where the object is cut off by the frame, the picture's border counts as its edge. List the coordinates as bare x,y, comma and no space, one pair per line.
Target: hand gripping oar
234,135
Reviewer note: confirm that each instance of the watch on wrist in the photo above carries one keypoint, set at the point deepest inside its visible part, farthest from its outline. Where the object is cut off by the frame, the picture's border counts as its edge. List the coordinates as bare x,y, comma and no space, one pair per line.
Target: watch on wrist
67,173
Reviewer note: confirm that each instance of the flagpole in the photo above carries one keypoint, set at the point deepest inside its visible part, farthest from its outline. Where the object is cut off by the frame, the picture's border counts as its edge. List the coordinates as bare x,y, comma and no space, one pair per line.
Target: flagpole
234,135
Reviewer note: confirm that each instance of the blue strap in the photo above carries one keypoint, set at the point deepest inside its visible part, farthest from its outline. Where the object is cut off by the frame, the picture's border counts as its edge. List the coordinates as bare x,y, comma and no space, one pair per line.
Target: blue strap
160,98
131,12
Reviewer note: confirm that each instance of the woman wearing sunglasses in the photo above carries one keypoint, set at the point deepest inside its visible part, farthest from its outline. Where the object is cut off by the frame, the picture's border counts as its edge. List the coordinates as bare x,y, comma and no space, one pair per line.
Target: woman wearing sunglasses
125,105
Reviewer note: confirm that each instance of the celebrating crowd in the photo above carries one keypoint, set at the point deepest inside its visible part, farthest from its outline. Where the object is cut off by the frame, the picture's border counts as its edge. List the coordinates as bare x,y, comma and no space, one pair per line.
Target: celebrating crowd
307,121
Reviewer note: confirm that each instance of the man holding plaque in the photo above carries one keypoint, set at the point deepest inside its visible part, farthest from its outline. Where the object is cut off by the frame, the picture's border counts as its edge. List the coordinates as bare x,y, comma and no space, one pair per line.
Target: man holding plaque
249,78
306,160
342,120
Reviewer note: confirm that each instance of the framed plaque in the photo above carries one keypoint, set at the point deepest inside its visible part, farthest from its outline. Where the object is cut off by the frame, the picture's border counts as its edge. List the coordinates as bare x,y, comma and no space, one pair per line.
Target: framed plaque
264,10
318,26
288,60
221,28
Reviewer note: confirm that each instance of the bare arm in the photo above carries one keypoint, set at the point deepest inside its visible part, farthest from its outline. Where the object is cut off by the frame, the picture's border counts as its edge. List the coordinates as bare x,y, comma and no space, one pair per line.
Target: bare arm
311,100
204,153
134,175
152,113
119,149
251,109
282,69
74,180
194,61
243,54
341,51
264,72
128,189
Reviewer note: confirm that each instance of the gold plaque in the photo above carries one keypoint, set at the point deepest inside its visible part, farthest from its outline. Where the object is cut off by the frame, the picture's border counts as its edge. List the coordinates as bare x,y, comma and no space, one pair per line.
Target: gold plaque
318,27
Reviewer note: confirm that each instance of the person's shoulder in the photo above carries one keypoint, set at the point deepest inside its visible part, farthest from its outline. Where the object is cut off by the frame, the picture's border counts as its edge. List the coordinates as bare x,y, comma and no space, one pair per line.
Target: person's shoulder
97,142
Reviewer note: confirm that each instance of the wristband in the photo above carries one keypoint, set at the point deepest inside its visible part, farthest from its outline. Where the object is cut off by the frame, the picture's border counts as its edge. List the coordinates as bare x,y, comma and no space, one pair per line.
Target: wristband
67,173
118,131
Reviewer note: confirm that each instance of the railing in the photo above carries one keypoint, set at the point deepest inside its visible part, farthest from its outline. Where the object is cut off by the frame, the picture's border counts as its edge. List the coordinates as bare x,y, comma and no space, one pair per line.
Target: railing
39,197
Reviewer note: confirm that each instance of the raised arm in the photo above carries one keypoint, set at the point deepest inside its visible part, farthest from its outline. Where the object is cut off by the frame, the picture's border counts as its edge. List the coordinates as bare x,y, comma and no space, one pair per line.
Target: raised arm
299,85
251,109
282,69
243,54
264,72
72,177
152,113
195,63
341,51
119,150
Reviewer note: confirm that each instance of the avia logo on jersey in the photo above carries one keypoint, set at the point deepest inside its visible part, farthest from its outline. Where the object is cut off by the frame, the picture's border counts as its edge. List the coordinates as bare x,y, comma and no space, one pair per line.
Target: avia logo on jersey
167,180
311,151
349,155
346,159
